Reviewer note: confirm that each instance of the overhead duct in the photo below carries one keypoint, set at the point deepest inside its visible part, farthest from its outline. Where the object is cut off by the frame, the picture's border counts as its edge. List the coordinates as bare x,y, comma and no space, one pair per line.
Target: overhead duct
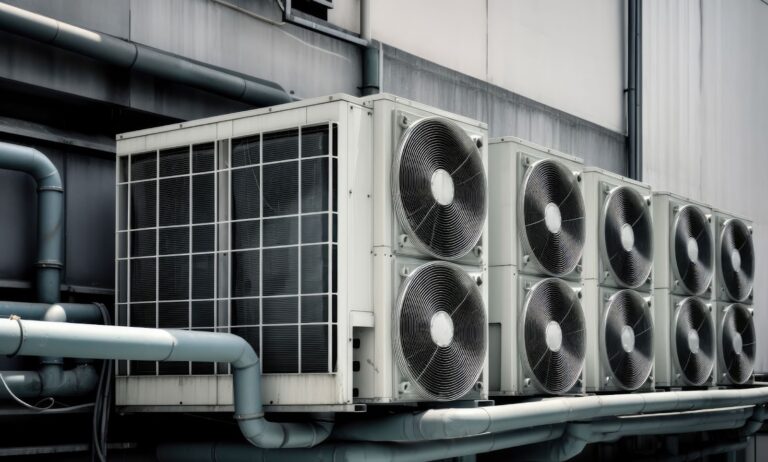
134,56
39,338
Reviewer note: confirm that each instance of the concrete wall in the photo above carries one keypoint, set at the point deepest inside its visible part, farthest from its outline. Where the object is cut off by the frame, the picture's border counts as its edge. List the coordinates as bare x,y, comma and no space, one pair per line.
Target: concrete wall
705,118
567,55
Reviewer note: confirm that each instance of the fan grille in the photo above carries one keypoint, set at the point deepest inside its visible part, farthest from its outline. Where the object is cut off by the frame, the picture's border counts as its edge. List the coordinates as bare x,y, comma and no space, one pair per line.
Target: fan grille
552,217
628,339
694,342
554,338
628,239
440,330
693,249
737,259
738,343
439,188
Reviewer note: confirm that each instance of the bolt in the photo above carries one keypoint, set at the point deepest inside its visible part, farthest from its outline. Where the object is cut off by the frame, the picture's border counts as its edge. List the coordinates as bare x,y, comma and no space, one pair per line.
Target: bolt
526,257
478,251
479,142
527,382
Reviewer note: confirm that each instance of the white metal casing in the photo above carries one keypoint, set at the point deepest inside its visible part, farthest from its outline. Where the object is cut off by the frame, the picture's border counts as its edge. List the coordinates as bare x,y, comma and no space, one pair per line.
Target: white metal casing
667,372
598,184
598,376
665,208
509,372
378,379
720,218
367,268
721,365
508,159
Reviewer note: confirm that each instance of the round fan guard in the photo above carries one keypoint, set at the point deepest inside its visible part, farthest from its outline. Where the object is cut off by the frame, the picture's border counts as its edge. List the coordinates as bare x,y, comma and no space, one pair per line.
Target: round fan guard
439,188
736,259
626,339
626,237
439,331
691,249
737,343
552,336
551,217
693,341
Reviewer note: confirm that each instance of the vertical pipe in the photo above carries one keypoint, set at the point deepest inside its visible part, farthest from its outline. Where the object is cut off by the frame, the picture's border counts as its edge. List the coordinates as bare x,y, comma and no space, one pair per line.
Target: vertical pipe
634,90
50,214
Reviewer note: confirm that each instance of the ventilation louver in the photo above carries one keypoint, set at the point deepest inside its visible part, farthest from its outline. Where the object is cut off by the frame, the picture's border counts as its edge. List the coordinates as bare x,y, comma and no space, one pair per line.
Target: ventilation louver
628,339
627,236
693,341
552,217
439,188
737,257
439,334
692,249
554,337
738,343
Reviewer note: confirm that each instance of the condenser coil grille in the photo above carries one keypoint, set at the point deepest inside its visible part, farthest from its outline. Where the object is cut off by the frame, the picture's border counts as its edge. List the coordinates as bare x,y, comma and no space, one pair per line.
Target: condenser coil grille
233,236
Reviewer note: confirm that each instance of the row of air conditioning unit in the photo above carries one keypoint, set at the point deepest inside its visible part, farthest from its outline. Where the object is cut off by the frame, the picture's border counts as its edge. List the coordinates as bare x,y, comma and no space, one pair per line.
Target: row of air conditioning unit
379,251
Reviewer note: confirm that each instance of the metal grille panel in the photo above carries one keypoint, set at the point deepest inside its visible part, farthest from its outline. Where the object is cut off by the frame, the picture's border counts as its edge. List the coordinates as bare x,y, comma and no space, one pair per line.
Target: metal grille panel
233,236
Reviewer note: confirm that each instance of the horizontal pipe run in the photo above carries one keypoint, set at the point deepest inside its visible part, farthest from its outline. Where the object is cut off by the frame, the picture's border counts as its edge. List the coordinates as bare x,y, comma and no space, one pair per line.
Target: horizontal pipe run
81,313
360,451
134,56
40,338
436,424
50,381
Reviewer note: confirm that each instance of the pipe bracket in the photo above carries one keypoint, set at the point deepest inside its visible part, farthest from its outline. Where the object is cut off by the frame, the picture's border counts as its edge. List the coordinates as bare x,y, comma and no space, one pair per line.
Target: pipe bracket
258,415
49,264
50,188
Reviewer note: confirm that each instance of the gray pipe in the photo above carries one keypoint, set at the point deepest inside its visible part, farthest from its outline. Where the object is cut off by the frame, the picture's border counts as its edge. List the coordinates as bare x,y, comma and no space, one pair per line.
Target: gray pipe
437,424
40,338
354,452
50,213
578,435
81,313
133,56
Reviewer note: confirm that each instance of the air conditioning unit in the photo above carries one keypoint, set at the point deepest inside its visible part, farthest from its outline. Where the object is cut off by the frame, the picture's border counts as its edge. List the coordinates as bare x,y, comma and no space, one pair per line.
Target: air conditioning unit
685,338
326,232
734,258
734,270
735,344
618,259
537,333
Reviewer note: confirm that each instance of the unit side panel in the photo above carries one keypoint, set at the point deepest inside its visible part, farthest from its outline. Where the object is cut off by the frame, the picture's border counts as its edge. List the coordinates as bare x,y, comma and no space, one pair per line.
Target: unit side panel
502,214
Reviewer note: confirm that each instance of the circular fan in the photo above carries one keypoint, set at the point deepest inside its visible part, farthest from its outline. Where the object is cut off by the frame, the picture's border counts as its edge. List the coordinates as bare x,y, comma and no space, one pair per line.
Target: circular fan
627,242
692,249
738,343
440,330
737,259
628,339
553,338
551,217
694,341
439,188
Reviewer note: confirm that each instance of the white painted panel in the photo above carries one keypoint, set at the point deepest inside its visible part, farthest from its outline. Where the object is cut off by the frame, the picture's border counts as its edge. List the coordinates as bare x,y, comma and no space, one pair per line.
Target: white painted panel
451,33
564,54
706,113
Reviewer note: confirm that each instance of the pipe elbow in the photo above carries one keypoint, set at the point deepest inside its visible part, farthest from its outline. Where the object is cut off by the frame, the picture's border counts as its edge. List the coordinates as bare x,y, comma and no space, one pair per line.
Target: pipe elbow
45,172
273,435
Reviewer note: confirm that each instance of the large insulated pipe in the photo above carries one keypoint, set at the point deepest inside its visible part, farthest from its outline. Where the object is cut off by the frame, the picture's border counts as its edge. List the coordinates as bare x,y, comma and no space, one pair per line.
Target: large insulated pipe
40,338
133,56
436,424
354,452
578,435
50,381
50,213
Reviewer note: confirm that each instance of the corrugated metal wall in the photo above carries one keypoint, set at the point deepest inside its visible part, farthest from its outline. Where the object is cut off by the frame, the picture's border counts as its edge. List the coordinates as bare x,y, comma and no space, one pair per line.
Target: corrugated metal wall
705,120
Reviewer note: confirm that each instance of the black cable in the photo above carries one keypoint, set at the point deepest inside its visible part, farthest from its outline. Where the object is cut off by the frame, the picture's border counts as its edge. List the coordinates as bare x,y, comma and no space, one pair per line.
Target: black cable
103,403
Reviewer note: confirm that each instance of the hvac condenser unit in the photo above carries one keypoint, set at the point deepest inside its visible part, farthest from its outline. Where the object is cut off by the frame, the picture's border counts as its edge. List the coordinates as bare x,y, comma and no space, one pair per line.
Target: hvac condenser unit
684,318
537,331
734,270
618,259
344,238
